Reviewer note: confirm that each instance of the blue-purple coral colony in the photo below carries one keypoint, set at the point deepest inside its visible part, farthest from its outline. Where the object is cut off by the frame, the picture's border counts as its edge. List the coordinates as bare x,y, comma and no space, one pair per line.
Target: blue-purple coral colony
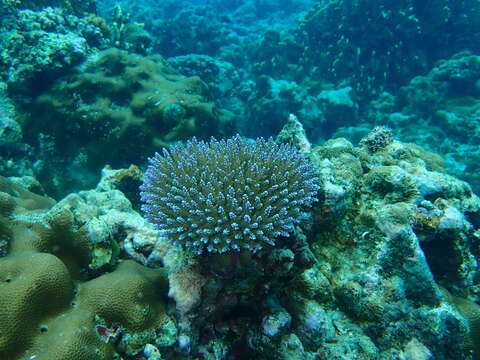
227,195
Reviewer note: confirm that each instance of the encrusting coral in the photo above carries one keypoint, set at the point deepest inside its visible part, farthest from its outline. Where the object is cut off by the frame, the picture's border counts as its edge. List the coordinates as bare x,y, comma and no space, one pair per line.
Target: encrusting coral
228,194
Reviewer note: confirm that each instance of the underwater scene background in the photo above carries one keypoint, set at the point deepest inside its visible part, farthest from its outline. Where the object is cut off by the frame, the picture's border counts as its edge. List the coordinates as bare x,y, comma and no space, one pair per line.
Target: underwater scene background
233,180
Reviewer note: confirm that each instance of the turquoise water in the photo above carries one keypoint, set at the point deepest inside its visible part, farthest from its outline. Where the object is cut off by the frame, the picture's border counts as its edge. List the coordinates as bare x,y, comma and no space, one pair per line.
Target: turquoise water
379,99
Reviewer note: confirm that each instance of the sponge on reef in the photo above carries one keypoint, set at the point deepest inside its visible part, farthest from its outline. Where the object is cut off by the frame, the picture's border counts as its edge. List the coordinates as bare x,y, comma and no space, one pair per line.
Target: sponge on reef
47,310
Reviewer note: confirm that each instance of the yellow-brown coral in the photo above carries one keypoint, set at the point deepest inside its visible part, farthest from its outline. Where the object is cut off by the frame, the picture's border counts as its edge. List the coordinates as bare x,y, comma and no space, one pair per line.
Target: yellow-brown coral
46,310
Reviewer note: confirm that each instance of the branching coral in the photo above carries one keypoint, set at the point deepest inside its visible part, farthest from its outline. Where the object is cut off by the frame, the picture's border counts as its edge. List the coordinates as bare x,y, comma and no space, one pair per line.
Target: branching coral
229,194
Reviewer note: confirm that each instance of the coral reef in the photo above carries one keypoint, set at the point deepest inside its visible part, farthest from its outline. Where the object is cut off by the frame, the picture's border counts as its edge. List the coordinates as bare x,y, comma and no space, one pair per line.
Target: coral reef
228,194
118,107
51,307
264,70
76,7
212,38
51,41
400,226
402,200
383,267
38,47
444,106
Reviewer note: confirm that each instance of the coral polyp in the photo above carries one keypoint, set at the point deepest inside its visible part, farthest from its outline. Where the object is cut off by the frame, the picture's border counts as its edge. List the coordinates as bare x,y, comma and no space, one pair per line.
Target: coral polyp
225,195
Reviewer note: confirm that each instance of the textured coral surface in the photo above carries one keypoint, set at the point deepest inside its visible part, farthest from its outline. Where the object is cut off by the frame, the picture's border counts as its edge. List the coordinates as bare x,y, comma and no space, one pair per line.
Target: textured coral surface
383,266
49,307
118,106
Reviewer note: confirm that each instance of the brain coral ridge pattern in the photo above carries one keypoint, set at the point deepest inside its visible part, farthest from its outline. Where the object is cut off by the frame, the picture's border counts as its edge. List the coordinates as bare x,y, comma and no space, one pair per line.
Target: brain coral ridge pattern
227,195
46,311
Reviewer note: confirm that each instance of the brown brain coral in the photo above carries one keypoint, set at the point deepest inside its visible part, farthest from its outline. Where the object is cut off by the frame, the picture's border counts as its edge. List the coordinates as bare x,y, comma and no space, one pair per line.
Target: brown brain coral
44,313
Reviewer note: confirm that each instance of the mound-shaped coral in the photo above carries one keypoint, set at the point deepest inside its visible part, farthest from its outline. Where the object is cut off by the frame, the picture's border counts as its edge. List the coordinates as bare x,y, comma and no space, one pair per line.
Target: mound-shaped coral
229,194
117,107
47,309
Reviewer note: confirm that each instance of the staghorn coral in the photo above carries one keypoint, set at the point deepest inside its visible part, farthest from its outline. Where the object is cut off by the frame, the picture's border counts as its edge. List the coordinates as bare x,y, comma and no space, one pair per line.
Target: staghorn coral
229,194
